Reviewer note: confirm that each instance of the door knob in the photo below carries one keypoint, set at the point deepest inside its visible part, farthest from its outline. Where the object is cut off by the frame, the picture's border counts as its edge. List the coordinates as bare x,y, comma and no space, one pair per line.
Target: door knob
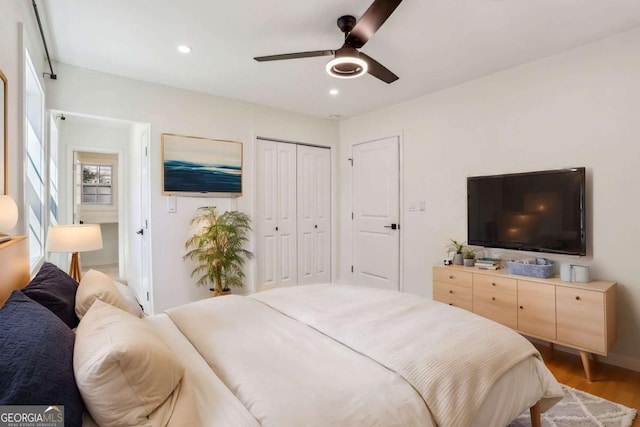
140,232
392,226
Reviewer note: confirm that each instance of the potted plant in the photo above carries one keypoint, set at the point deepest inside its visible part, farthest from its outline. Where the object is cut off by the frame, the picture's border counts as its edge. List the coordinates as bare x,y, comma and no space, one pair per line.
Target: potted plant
469,257
456,247
217,248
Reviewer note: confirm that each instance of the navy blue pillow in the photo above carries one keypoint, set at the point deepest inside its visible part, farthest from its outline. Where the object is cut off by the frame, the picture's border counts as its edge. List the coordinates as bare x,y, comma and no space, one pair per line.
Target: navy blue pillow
56,290
36,358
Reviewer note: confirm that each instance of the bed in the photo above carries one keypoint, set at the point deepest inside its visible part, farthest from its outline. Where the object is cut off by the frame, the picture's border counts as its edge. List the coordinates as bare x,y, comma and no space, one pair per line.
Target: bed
313,355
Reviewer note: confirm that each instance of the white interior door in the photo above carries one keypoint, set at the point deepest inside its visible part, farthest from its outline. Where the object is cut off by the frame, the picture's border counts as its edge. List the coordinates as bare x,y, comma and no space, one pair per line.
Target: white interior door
145,237
376,212
276,198
314,214
77,188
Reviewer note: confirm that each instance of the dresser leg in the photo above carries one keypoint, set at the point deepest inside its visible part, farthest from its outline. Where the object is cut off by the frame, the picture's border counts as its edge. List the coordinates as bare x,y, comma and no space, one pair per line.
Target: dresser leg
534,412
586,364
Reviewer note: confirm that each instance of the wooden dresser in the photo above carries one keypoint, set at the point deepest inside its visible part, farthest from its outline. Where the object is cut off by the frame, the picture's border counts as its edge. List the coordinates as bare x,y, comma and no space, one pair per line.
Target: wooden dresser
577,315
14,266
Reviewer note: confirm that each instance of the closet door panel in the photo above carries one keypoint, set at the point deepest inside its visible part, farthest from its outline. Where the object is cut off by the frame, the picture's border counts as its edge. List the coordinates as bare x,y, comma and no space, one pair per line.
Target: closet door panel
267,201
306,214
322,226
314,211
287,270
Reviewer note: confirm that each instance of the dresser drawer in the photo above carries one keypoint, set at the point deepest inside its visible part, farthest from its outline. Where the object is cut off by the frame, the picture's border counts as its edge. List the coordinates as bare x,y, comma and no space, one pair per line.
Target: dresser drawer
452,294
449,275
502,285
581,318
496,298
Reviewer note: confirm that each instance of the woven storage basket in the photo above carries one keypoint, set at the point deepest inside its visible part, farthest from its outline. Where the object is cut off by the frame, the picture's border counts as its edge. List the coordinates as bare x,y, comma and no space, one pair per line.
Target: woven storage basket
531,270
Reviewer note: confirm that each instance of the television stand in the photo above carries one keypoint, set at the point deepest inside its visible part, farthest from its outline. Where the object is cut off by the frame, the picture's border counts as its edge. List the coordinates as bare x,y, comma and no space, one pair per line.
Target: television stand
581,316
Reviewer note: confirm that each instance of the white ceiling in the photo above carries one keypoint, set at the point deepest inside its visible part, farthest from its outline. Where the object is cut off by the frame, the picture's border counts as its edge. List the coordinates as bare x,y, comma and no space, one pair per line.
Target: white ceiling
429,44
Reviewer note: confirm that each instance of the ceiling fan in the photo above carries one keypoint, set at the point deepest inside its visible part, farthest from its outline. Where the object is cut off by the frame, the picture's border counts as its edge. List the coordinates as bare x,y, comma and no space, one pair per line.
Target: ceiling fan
348,62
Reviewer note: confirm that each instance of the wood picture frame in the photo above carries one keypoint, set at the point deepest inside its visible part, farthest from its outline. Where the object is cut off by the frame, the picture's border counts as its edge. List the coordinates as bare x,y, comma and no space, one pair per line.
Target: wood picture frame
202,167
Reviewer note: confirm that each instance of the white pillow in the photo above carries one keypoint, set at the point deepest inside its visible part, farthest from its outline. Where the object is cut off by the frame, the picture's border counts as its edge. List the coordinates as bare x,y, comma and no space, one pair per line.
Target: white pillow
130,298
96,285
125,373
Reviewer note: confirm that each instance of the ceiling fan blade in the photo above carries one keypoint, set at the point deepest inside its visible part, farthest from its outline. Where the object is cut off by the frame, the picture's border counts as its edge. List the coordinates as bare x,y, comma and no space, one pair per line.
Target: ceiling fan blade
378,70
371,21
294,55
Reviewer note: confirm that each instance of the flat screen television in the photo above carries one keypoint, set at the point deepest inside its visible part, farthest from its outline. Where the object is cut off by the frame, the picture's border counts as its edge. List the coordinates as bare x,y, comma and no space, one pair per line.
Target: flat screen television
536,211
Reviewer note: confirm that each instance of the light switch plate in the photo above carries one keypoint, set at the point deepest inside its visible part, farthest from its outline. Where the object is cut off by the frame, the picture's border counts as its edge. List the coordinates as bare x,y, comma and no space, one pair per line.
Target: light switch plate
172,204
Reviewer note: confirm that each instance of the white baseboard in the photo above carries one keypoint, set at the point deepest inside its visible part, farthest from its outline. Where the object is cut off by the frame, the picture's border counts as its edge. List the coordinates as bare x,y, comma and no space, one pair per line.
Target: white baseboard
622,361
615,359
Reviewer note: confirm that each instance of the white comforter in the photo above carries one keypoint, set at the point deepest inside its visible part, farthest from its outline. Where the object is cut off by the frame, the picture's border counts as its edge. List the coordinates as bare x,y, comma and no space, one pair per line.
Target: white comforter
287,374
349,356
450,356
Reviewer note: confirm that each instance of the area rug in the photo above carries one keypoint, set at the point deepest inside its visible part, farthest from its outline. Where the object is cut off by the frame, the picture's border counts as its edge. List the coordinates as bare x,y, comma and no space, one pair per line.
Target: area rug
580,409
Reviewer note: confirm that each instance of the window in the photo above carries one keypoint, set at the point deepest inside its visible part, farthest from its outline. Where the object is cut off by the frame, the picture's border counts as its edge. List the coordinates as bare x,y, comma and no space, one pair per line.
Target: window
36,163
97,184
53,172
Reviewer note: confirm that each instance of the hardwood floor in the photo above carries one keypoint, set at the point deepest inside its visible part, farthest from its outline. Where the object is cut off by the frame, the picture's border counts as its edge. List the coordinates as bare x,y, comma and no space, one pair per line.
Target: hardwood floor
609,382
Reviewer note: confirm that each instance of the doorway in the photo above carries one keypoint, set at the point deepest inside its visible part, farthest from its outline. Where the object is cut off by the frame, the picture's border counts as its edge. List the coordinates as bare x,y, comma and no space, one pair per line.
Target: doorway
104,179
96,200
376,213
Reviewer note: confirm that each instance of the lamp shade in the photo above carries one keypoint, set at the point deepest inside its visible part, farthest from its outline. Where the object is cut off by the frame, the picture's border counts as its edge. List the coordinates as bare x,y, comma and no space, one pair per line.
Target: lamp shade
8,213
74,238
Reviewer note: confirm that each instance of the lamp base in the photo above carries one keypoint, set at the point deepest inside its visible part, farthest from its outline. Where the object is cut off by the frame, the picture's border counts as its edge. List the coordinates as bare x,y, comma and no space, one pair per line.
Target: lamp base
74,267
4,237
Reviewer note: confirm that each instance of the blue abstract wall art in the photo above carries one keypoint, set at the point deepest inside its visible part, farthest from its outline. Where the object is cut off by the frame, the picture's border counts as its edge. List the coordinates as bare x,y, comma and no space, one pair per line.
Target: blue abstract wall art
194,166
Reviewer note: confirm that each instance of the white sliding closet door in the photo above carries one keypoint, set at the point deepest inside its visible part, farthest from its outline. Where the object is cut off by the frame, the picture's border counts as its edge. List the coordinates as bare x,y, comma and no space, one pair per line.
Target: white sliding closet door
293,214
277,252
314,215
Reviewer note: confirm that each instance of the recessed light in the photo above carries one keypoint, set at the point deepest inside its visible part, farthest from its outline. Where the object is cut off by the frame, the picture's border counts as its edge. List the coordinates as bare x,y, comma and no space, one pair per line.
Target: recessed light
334,92
183,48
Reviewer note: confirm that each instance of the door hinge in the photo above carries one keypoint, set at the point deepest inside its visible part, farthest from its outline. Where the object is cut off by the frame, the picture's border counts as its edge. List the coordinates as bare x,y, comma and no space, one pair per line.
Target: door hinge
351,215
146,223
147,295
352,268
146,151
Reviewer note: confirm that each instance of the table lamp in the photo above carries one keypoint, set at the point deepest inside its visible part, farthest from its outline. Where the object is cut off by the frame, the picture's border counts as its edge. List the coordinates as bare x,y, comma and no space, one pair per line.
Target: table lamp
8,216
74,238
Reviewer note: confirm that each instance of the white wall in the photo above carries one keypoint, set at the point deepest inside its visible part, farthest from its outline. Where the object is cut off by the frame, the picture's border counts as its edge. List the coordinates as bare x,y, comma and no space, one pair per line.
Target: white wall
578,108
17,29
109,254
188,113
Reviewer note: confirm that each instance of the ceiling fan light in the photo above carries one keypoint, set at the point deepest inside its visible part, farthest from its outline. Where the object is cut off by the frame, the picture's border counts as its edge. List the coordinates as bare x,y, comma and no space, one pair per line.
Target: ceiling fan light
351,67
